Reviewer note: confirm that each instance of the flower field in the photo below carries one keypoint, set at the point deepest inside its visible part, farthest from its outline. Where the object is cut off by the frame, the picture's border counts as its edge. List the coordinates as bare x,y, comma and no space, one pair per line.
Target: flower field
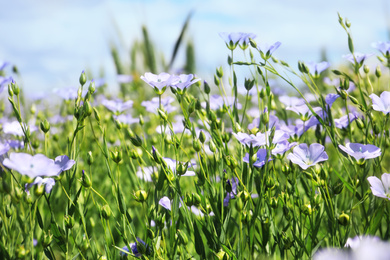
175,167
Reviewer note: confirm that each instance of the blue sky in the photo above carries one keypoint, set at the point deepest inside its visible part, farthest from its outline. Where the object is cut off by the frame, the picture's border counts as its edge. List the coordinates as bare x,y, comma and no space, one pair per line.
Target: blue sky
51,42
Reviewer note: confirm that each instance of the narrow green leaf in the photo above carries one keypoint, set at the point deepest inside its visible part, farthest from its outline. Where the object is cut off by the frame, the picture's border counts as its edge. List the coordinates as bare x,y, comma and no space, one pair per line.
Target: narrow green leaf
39,218
199,246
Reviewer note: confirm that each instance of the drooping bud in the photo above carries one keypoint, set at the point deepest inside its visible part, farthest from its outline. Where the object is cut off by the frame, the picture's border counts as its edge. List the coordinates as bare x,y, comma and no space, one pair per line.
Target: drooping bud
45,126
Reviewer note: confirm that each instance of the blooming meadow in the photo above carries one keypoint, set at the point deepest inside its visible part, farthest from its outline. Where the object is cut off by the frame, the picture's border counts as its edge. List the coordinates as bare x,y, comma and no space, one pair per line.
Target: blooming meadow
174,167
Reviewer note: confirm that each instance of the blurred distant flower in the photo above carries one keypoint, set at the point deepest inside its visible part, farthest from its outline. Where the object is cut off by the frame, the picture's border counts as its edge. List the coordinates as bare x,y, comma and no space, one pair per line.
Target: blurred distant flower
266,50
145,173
357,248
354,243
158,82
3,64
292,101
68,93
301,110
183,81
317,68
14,128
4,148
153,105
360,57
344,121
117,106
4,81
381,103
383,47
172,164
380,188
134,249
361,151
231,39
332,82
47,182
217,102
306,156
126,119
261,158
121,78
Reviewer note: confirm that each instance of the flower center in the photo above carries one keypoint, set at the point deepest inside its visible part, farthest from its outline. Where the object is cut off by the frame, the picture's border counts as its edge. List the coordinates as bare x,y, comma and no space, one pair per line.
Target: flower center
31,165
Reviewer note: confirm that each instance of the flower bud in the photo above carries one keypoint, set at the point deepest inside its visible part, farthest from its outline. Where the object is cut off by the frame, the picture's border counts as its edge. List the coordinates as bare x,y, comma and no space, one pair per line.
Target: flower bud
116,156
89,158
69,221
47,238
182,237
85,180
219,72
212,146
45,126
196,145
156,155
378,72
343,219
353,99
140,196
202,137
306,209
96,114
39,190
83,78
87,108
105,211
136,140
216,80
141,120
91,87
206,87
366,69
162,115
10,91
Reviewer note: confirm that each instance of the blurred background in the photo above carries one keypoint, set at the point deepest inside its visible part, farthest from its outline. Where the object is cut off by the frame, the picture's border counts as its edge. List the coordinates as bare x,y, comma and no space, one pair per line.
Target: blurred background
51,42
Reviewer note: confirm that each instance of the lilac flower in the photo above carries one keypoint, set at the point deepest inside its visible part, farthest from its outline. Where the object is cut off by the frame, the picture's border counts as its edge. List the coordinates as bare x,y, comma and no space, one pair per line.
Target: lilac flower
306,156
64,162
266,50
37,165
183,81
361,151
117,106
134,249
158,82
360,57
292,101
231,39
47,182
331,98
283,147
332,82
121,78
57,119
260,160
16,144
313,121
153,105
383,47
233,182
254,140
4,148
126,119
317,68
343,122
14,128
381,103
244,40
380,188
165,202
